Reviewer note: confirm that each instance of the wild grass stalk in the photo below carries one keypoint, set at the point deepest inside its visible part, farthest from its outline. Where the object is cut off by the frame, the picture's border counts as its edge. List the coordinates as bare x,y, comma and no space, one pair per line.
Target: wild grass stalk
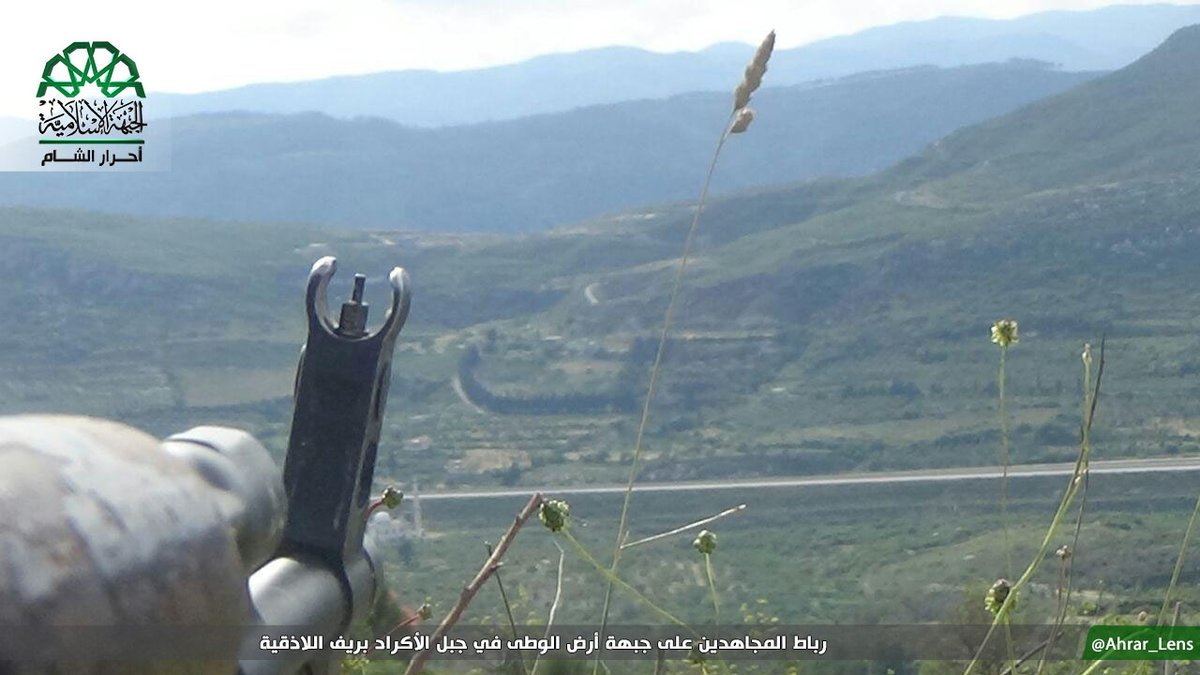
706,544
1004,333
617,581
684,528
1005,607
1066,553
555,515
535,504
1183,549
712,589
512,623
558,589
738,121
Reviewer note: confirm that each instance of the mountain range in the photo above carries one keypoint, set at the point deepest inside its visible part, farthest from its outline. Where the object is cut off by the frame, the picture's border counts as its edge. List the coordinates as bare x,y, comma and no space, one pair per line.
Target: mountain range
536,172
1100,39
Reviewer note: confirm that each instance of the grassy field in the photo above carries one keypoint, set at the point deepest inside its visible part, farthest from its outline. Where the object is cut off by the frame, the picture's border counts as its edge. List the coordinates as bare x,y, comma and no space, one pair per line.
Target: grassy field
836,554
918,553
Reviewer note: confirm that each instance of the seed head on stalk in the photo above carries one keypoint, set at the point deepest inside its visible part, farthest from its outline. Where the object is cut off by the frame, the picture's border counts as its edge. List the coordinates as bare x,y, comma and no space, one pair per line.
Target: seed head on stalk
1004,332
997,594
742,122
738,121
554,514
753,76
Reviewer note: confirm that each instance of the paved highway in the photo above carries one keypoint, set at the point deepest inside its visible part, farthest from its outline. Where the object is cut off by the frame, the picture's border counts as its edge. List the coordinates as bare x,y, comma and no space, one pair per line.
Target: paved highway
1116,466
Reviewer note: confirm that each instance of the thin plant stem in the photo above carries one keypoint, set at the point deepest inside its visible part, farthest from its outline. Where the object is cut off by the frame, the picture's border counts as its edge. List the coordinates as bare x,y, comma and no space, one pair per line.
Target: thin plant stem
472,588
1169,666
1041,647
1006,458
512,623
1068,498
623,521
382,500
558,586
1068,567
614,580
1008,643
712,589
1006,606
1064,592
685,528
1183,548
405,622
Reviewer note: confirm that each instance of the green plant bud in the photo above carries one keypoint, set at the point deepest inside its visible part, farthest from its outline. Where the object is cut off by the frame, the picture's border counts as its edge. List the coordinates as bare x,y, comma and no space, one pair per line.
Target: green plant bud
997,594
391,497
554,514
1004,332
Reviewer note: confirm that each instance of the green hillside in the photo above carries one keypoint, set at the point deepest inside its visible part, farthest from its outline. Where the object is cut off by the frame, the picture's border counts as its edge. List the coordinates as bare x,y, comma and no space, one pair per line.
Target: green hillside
1127,126
832,325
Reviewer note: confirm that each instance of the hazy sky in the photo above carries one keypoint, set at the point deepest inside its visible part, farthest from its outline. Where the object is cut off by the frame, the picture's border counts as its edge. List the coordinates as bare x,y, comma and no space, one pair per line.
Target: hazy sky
198,46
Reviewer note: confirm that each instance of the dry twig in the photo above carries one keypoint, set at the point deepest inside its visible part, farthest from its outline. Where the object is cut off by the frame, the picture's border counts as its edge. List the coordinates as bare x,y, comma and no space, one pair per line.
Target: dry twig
468,593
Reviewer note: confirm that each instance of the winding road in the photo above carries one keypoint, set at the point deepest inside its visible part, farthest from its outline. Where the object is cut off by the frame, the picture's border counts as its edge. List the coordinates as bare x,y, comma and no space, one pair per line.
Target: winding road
456,384
590,293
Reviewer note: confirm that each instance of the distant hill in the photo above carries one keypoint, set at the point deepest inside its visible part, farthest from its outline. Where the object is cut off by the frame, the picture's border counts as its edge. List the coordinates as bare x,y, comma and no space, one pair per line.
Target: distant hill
1094,182
1130,125
532,173
1101,39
